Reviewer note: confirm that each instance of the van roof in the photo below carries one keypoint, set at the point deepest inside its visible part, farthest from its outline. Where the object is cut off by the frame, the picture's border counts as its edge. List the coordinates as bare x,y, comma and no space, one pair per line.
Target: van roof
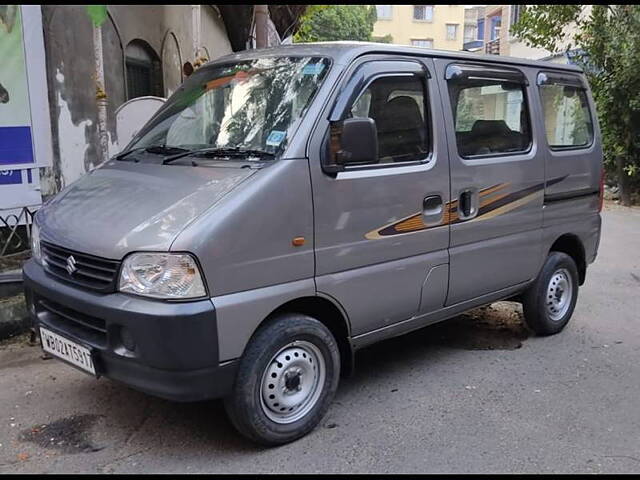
343,52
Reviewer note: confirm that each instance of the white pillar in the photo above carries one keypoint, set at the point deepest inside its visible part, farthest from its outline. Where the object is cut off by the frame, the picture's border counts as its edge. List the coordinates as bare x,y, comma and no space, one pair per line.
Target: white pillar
261,19
195,26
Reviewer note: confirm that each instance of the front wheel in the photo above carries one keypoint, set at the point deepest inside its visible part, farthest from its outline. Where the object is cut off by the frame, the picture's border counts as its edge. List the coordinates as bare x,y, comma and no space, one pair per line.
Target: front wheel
549,302
286,380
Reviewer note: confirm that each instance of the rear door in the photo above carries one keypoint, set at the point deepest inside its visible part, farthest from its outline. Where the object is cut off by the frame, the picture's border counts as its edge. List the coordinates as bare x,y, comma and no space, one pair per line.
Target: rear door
574,160
381,235
497,177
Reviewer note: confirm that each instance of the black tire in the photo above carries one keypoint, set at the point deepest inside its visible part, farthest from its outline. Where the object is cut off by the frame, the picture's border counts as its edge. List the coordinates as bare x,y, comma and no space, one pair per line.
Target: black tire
246,405
540,301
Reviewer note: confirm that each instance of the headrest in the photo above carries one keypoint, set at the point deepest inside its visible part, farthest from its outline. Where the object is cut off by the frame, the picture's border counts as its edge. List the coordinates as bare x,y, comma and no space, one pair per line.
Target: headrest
400,113
490,127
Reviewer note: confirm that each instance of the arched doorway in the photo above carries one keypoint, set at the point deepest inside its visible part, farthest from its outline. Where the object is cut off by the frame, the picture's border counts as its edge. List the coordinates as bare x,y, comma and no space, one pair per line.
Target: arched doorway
144,70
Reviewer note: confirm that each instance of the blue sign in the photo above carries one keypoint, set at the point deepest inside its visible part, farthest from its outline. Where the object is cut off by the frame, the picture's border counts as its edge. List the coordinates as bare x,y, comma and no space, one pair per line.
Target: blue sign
15,145
10,177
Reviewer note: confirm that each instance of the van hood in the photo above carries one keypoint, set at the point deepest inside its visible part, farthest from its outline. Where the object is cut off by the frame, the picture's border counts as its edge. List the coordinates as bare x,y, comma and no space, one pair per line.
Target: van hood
124,207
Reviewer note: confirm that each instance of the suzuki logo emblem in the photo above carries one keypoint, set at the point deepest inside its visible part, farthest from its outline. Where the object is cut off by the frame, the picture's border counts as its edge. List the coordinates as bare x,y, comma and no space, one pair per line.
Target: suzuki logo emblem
71,265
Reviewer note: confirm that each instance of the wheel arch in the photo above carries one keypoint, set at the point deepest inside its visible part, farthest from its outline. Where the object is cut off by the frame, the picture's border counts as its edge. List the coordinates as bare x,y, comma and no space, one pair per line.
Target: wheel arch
572,245
331,315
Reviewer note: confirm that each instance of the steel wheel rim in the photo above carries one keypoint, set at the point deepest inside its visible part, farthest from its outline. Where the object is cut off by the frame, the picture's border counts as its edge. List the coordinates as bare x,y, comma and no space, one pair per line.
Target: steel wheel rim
559,294
292,382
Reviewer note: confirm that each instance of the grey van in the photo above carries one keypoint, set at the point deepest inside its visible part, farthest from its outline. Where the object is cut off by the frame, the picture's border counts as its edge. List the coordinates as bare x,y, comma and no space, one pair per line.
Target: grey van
289,206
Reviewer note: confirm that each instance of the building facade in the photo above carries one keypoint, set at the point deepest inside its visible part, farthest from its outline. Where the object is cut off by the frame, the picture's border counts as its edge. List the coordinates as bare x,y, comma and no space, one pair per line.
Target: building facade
53,124
473,28
429,26
495,26
141,58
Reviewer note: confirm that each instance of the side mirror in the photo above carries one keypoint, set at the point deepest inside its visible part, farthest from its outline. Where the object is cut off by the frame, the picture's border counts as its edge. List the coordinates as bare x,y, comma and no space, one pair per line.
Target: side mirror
353,141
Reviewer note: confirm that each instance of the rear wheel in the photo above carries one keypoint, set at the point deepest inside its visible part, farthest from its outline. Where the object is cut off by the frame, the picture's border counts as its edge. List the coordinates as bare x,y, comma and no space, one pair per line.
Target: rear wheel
549,302
286,380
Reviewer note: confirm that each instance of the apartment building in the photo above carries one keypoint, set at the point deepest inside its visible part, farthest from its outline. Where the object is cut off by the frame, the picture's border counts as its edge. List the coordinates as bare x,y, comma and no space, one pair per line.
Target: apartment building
428,26
498,20
473,28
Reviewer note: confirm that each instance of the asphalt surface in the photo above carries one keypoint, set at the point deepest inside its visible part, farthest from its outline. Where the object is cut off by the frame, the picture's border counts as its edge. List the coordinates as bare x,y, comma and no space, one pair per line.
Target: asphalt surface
475,394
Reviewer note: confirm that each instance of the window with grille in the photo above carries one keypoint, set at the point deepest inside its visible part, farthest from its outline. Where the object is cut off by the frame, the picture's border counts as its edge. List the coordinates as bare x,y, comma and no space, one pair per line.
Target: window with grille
425,43
144,70
516,12
423,12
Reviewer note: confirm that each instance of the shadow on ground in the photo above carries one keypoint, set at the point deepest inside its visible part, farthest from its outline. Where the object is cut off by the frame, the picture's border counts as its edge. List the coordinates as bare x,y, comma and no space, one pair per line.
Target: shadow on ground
149,423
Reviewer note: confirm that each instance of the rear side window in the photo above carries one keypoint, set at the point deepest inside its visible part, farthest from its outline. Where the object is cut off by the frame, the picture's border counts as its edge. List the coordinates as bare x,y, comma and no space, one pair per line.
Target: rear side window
490,116
397,105
567,119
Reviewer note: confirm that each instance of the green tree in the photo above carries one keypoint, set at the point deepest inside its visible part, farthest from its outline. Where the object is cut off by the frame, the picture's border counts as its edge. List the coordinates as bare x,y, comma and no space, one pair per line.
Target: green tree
609,44
322,23
386,39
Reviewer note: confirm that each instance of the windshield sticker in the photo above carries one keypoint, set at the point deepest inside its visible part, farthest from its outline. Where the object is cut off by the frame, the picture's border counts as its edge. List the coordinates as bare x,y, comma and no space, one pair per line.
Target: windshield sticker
275,138
313,69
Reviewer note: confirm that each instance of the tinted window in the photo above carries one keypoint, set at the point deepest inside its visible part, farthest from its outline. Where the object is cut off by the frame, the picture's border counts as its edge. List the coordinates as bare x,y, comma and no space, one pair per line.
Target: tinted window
397,104
490,116
566,116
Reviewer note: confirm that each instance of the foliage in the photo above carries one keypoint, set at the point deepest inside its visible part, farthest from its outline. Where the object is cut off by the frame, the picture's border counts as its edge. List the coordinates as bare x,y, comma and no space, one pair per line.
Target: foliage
609,42
97,14
386,39
322,23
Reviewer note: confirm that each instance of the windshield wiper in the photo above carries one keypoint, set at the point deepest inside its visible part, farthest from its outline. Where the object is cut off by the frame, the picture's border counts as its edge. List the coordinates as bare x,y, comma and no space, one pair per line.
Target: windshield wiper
159,149
221,152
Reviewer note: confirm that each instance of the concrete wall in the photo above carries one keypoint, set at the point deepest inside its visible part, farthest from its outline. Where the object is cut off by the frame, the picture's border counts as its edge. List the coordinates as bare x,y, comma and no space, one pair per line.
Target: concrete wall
70,71
403,28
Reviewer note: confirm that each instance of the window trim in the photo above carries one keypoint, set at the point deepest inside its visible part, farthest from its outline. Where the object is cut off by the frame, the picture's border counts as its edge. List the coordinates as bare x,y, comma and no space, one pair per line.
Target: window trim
427,120
390,17
466,71
455,36
547,78
359,79
421,40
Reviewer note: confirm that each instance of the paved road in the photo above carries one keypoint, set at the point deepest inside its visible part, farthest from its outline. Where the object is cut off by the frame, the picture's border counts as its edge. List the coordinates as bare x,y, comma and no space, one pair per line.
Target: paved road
475,394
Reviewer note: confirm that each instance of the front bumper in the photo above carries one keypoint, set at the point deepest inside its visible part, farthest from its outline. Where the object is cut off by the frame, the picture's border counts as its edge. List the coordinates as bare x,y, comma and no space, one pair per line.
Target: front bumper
176,343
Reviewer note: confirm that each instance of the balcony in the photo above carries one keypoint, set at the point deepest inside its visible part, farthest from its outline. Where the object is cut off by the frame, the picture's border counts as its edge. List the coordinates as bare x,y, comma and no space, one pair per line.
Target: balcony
492,47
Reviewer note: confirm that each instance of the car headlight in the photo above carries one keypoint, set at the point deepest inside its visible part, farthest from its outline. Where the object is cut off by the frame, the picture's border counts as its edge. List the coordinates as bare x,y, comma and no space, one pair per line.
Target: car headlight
161,275
36,253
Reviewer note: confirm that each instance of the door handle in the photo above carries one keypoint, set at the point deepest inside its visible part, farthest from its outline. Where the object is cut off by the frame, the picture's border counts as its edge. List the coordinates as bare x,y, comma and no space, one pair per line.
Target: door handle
468,204
432,208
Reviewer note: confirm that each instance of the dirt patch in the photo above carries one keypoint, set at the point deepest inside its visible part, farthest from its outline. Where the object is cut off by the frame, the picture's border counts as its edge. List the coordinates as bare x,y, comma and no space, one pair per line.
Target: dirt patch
14,261
495,327
23,339
69,435
498,326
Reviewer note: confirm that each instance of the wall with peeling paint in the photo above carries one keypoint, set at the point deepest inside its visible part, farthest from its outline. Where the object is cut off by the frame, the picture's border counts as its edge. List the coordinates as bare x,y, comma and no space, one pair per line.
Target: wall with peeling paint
70,72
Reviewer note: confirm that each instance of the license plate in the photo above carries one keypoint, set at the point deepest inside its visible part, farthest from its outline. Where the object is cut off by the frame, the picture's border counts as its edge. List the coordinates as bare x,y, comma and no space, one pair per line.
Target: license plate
67,350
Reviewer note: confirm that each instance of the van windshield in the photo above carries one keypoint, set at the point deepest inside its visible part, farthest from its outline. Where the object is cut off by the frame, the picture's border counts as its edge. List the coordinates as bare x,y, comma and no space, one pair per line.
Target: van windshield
251,105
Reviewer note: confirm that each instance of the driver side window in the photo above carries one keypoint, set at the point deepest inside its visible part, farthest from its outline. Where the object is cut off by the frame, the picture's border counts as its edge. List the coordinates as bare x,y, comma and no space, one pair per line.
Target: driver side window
397,105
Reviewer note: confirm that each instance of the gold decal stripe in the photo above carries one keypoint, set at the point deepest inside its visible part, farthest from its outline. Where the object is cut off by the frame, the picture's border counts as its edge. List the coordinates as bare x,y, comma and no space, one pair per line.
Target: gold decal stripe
415,223
508,207
488,201
495,188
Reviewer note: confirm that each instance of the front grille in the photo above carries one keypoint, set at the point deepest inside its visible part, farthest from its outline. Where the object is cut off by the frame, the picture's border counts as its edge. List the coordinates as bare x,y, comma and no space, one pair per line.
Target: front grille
91,272
80,325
